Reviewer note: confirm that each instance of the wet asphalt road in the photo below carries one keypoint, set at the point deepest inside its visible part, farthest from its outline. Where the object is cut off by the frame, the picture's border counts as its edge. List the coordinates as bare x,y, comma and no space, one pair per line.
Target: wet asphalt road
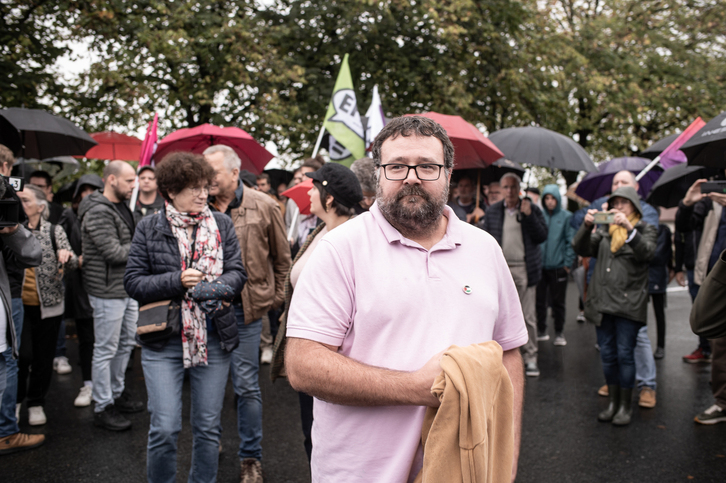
562,440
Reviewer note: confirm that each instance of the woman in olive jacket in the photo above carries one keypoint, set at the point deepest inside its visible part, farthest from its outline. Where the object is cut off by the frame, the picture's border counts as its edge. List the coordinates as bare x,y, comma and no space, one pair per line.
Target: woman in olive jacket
617,297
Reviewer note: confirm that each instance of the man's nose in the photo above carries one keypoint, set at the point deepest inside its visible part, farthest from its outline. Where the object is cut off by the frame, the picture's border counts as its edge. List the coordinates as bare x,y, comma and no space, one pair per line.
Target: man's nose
412,177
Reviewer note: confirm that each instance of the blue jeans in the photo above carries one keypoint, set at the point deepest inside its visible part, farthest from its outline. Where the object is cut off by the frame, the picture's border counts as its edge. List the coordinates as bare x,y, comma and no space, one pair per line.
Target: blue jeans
164,374
245,370
617,337
8,423
114,325
3,377
644,360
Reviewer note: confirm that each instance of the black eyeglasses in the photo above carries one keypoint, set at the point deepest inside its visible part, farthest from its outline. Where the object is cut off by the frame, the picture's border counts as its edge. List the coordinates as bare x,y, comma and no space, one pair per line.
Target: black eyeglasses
424,172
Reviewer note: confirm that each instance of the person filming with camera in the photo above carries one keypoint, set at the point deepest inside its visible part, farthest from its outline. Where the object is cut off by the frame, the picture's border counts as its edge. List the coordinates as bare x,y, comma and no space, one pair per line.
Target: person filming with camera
519,227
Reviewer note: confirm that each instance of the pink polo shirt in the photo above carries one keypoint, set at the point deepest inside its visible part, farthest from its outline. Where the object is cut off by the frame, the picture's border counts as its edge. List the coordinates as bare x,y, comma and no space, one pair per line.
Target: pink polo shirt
386,301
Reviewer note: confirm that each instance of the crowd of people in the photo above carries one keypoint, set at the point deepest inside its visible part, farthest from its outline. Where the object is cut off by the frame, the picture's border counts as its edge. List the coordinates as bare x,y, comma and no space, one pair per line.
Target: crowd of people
213,272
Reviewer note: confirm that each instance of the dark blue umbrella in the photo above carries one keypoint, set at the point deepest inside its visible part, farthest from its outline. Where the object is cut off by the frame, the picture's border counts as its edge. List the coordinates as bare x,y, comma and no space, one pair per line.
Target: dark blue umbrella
596,185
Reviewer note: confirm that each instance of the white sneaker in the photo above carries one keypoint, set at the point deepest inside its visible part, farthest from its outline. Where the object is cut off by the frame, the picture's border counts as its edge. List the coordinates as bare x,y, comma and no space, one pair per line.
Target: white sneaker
266,357
61,365
560,340
84,397
36,416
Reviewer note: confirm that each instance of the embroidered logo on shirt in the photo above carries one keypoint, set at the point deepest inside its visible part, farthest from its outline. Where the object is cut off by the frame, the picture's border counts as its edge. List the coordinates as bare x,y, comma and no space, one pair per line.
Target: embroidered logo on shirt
467,290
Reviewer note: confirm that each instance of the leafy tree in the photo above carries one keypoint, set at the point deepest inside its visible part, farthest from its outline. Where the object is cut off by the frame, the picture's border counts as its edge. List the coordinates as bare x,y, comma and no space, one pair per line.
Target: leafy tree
31,34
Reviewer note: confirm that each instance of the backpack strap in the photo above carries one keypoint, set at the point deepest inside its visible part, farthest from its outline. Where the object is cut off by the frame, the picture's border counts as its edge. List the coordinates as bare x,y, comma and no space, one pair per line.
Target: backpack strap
52,238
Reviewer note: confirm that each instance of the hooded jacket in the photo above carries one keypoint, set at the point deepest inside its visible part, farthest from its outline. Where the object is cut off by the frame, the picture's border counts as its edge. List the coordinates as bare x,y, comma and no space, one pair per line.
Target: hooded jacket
557,251
106,239
619,285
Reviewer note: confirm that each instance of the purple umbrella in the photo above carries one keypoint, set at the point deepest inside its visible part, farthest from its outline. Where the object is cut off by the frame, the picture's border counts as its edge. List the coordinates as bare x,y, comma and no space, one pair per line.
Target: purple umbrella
596,185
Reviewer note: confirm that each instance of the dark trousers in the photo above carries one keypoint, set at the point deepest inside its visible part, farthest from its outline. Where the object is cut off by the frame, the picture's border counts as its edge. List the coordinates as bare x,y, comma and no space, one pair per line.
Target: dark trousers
659,301
703,343
617,337
718,371
554,284
84,330
306,417
37,348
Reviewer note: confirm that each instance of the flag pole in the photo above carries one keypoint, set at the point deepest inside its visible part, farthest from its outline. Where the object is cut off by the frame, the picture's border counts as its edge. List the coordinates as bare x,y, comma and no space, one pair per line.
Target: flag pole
650,166
320,139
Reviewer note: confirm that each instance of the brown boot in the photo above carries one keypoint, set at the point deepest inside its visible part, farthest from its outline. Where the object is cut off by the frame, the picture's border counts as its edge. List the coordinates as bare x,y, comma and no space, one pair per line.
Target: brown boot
250,471
20,442
603,391
647,398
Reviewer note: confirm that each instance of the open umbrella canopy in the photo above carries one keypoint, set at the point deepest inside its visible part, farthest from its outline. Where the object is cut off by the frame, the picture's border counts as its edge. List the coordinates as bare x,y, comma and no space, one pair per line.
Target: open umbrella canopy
33,133
672,185
57,166
114,145
708,146
542,147
254,157
299,194
654,150
596,185
471,148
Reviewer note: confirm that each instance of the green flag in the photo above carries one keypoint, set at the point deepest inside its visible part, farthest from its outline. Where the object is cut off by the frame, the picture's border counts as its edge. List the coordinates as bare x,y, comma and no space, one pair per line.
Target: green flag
342,120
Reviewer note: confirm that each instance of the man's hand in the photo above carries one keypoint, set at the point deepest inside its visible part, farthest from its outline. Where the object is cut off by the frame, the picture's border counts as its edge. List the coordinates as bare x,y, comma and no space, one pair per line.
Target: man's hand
526,207
475,215
426,377
694,195
190,277
64,255
590,218
9,230
719,198
621,219
681,278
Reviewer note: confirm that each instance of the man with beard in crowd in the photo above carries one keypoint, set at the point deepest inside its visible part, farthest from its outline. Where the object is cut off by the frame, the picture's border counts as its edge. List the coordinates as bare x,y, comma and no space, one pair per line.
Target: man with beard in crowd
379,300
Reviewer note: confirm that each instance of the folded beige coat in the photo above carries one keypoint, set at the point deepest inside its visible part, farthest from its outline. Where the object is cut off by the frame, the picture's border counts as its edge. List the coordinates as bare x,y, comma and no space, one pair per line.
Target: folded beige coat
470,437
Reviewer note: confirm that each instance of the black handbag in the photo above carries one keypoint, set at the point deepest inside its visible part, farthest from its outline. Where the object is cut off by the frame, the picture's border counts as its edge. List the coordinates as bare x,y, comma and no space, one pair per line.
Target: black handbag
158,321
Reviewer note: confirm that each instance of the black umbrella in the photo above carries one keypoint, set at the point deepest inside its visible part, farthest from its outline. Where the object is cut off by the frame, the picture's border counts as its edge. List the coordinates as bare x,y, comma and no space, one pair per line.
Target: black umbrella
708,146
672,185
278,176
542,147
32,133
654,150
492,173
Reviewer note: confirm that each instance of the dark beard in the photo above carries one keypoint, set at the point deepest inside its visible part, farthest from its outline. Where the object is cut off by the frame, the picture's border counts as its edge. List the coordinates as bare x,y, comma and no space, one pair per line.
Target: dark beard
410,218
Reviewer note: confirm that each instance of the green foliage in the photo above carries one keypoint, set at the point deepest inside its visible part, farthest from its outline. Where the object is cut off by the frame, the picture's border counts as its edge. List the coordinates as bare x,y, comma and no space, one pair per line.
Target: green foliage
31,32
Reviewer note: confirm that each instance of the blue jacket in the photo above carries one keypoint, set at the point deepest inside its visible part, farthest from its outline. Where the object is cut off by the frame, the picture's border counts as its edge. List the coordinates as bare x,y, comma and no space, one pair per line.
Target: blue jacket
534,232
557,251
153,270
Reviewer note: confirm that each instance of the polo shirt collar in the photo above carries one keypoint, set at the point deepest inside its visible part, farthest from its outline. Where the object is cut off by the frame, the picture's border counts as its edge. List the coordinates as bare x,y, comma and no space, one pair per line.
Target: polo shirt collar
452,237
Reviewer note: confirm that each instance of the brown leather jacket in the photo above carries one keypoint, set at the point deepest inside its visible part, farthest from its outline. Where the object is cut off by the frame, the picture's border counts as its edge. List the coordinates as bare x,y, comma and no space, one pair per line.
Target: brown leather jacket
265,252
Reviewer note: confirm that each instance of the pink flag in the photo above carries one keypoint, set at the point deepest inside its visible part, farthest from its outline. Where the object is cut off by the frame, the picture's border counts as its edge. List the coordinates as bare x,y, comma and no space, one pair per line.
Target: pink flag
148,148
672,155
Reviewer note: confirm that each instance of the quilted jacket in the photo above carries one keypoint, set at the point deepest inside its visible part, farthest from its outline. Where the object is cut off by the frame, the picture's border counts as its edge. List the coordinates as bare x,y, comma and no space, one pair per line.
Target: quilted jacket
106,242
153,270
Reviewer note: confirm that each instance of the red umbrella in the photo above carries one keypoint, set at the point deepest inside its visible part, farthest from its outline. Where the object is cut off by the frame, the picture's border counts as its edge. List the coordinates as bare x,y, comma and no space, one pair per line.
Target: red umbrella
254,157
114,145
472,148
299,194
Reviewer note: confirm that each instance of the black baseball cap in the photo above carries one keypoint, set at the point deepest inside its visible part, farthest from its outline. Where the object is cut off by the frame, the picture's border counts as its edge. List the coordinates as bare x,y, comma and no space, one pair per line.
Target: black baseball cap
340,182
145,168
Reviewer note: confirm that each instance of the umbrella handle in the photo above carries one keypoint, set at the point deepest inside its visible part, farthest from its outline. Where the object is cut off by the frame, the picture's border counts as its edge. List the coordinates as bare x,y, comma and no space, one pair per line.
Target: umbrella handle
478,192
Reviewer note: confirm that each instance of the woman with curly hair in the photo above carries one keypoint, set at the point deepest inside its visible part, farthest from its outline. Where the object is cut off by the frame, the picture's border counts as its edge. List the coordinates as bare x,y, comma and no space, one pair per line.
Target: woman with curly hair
190,256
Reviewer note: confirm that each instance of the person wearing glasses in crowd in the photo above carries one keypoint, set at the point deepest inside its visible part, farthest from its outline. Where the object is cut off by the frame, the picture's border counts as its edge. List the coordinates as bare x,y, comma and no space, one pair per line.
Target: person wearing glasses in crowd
44,181
333,198
379,301
174,251
519,227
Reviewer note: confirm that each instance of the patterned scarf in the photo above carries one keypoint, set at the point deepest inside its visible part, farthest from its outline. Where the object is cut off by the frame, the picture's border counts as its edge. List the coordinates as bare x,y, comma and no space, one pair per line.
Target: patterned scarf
208,258
618,234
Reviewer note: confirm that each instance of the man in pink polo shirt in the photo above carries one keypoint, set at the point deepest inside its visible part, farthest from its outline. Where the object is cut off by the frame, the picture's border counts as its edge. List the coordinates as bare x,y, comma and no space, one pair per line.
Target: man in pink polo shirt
379,301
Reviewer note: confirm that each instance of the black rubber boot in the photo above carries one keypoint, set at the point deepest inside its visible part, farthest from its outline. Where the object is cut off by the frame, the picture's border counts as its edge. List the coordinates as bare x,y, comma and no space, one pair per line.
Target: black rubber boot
613,401
622,417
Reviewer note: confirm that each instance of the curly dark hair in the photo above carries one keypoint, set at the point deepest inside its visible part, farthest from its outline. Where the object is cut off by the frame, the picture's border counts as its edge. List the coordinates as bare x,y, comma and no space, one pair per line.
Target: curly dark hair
179,170
413,126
